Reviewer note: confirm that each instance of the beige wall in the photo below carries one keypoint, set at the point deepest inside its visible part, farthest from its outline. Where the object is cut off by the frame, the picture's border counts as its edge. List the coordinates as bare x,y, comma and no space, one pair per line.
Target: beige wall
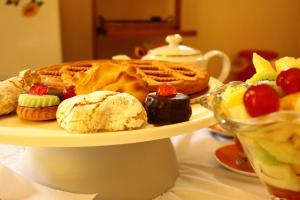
28,42
227,25
231,25
77,22
130,10
77,32
134,9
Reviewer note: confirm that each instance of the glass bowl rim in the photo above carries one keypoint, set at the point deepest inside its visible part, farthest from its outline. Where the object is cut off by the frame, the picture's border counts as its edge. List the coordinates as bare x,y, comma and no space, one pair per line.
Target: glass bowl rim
213,101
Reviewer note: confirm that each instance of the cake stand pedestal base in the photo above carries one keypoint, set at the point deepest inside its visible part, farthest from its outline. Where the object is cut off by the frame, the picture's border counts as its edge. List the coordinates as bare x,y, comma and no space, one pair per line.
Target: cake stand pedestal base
138,171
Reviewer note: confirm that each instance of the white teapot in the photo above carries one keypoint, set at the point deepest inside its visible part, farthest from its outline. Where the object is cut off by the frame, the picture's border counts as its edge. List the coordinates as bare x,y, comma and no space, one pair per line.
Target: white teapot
175,52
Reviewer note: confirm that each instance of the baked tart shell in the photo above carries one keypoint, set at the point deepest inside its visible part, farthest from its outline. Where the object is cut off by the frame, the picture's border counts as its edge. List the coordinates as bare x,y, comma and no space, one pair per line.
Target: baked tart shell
37,114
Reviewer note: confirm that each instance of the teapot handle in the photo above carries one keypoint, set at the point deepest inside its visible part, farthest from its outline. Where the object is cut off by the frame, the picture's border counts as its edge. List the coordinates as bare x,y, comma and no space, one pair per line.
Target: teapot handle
225,63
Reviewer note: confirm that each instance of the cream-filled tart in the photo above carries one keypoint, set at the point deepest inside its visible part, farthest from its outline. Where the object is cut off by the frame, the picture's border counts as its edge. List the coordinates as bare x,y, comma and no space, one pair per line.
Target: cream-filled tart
38,105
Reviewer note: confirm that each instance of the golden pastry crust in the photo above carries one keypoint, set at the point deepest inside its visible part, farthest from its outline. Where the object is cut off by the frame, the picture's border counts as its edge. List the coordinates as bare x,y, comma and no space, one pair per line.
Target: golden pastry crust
90,76
51,76
136,77
187,79
113,77
37,114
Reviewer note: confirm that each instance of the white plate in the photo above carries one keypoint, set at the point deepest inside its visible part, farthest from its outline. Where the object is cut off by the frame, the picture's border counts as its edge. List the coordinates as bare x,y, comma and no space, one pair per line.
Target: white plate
20,132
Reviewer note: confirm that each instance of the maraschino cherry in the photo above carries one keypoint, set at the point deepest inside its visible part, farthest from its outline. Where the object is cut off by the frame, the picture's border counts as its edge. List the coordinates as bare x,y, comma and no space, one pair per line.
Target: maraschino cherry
261,100
69,92
289,80
166,90
38,89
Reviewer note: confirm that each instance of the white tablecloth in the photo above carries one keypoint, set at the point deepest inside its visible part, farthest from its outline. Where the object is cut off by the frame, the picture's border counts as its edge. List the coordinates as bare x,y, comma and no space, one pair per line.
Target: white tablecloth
200,175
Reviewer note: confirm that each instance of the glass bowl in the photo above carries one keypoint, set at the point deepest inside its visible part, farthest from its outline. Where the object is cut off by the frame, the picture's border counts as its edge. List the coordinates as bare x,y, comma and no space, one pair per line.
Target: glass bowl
271,143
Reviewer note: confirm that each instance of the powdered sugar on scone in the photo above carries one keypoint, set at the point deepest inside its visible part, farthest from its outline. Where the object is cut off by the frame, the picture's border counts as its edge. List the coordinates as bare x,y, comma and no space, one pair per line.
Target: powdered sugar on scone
9,94
101,111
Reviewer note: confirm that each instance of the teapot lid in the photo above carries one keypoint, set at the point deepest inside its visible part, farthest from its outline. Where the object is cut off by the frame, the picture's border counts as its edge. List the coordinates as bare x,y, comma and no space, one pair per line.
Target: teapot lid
174,48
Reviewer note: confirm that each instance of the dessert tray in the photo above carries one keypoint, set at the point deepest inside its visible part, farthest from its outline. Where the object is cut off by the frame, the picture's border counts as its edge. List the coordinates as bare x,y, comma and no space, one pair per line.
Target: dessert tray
94,160
14,130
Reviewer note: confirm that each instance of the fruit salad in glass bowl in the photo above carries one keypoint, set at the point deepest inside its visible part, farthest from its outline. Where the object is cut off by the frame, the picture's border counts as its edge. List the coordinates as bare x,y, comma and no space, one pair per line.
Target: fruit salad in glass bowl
264,113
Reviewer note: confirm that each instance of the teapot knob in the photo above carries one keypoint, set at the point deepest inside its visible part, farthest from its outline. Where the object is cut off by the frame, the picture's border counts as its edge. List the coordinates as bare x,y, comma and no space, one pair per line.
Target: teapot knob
174,40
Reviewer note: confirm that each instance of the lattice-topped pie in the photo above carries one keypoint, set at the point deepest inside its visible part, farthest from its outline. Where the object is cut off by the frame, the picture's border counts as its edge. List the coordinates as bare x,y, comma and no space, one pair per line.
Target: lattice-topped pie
187,79
124,76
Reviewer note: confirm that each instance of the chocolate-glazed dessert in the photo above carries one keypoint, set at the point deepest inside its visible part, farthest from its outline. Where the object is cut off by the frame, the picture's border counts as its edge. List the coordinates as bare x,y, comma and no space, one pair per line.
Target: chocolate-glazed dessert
166,106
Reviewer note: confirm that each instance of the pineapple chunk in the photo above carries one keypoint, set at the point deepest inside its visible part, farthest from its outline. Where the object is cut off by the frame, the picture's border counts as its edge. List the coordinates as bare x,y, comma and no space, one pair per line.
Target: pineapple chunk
286,62
290,102
238,112
261,64
282,151
233,102
296,169
296,142
234,95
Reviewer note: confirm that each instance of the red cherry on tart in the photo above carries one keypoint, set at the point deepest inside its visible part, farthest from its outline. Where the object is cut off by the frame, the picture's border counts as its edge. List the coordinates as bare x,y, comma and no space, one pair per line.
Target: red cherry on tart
261,100
166,90
289,80
38,89
69,92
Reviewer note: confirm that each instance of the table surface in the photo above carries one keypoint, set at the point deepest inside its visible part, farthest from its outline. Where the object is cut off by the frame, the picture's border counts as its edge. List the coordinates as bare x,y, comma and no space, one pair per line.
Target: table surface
196,152
199,173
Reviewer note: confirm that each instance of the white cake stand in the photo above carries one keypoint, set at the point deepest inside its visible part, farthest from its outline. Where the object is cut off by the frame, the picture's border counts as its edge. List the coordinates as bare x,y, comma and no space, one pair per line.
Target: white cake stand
127,165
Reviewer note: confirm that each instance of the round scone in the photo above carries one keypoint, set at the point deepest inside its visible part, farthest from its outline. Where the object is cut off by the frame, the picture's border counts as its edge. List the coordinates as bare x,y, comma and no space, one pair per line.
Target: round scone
8,96
101,111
